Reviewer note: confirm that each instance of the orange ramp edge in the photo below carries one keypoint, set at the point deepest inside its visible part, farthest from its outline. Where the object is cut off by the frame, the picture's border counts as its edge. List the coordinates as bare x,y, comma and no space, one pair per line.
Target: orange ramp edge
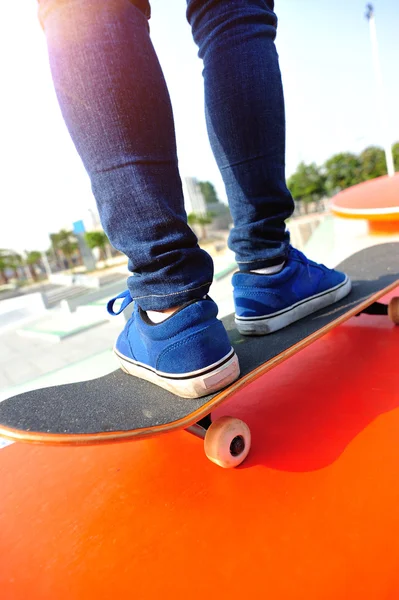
312,513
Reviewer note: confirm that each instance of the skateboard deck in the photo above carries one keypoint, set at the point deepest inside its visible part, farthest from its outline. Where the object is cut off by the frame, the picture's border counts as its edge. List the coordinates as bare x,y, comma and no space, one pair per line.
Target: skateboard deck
119,407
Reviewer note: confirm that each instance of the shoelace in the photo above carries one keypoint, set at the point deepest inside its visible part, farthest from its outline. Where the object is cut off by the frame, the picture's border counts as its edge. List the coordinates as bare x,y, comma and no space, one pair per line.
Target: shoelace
127,299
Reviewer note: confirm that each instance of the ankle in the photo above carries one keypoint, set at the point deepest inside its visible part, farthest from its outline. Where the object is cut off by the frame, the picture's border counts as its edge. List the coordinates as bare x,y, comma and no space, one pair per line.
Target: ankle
157,316
270,270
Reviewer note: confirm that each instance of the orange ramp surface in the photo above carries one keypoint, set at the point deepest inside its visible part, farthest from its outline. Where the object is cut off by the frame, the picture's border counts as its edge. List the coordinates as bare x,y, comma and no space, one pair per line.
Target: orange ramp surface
375,200
312,513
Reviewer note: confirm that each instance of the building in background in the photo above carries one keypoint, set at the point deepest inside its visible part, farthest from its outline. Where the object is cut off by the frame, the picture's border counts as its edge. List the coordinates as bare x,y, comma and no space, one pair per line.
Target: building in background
194,201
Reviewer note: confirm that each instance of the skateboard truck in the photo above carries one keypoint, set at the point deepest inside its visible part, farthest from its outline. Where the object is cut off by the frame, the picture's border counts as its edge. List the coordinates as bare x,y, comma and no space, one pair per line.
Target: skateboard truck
227,440
377,308
200,428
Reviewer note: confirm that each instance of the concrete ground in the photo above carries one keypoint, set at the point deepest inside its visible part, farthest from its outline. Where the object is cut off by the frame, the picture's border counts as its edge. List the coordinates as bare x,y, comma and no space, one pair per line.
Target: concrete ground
23,359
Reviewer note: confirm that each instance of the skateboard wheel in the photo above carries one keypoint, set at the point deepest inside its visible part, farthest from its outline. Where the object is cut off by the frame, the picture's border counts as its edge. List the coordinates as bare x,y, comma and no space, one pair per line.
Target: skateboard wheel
227,442
393,310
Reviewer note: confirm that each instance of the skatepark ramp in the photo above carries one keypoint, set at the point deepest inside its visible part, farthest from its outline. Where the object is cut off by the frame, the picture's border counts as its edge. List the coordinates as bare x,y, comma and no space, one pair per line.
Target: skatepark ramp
56,296
22,309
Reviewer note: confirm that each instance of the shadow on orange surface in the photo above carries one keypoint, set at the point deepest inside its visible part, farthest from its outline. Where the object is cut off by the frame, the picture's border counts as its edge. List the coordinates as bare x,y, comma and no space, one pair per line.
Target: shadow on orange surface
304,413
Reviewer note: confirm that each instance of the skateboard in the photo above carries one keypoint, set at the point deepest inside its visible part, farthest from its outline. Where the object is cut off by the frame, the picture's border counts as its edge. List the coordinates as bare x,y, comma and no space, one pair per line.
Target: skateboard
119,407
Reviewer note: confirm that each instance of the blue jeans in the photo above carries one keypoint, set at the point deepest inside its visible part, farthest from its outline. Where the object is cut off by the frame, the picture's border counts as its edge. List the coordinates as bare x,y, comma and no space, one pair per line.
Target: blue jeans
116,106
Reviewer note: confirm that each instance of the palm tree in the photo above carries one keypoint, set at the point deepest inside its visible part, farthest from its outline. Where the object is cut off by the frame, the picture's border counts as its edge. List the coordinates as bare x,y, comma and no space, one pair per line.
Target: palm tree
12,261
15,262
33,258
98,239
65,242
3,265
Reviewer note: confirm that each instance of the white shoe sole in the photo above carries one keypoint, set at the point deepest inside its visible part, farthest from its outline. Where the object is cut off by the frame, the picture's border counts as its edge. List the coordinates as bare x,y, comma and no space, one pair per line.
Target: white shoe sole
279,320
187,385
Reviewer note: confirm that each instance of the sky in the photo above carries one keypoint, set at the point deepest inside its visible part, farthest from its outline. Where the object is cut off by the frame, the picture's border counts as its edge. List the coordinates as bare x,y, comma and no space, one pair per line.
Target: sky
325,59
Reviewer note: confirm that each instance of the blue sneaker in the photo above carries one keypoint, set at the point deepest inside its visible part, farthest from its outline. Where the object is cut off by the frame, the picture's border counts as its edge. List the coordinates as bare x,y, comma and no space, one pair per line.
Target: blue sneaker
266,303
188,354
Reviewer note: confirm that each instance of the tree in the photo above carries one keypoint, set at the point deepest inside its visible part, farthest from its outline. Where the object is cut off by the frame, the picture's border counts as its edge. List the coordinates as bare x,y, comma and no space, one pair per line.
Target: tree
33,258
11,261
342,171
372,163
209,192
395,152
97,239
65,242
15,261
3,264
201,220
307,184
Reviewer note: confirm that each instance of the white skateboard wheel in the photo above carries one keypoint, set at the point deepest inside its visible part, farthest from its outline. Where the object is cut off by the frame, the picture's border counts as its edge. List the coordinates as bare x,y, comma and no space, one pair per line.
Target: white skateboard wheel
227,442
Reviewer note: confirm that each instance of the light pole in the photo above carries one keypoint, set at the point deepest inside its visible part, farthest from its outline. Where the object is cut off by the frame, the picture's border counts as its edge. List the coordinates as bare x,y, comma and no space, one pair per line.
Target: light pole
380,88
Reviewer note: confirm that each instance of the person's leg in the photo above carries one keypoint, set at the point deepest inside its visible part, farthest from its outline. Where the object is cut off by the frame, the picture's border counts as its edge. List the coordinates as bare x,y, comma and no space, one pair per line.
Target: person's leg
246,124
116,106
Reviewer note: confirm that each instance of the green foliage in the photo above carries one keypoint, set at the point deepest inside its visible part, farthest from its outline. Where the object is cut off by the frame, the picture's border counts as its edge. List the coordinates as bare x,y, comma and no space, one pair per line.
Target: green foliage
342,171
11,261
204,219
33,257
4,254
3,258
311,182
201,220
14,261
65,242
307,184
192,219
96,239
372,163
209,192
395,152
